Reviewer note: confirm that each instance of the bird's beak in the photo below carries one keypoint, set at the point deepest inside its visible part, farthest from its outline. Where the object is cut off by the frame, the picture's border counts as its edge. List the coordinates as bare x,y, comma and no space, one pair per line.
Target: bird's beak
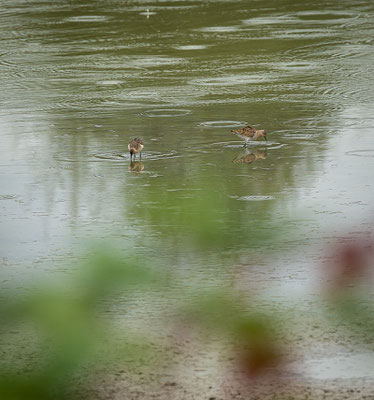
265,138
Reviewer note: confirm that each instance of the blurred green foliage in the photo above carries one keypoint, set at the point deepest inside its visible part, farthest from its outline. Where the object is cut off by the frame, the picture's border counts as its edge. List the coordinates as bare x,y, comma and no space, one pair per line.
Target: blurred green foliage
65,328
55,335
68,332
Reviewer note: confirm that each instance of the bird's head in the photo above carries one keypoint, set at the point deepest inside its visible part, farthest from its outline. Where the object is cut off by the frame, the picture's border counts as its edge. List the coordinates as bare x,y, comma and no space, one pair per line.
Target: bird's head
262,132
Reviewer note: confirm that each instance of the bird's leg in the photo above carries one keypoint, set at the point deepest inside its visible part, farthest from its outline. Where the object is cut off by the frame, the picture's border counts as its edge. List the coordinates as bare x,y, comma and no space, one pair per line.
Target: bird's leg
140,155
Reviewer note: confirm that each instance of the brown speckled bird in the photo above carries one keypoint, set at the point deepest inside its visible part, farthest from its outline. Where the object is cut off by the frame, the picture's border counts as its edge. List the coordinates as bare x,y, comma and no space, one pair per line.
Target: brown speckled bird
135,146
248,134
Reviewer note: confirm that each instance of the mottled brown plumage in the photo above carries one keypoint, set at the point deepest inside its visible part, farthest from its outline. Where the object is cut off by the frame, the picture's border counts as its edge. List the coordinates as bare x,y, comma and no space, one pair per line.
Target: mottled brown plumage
248,133
135,146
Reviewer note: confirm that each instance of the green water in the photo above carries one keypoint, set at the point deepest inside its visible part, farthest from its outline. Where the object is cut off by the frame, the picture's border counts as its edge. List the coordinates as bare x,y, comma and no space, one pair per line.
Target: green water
80,79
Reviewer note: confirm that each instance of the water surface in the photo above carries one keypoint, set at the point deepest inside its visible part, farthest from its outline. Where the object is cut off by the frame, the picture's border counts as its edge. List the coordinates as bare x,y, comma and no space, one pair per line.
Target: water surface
79,80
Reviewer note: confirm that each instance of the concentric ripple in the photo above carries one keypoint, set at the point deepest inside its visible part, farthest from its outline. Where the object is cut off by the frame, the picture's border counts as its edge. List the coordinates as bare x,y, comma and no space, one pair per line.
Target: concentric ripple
9,196
146,156
361,153
111,156
87,18
191,47
219,29
255,143
232,80
253,198
222,124
166,112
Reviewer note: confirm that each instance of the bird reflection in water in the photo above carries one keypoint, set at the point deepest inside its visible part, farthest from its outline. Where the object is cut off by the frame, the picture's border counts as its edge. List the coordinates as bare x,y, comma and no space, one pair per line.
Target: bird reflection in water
249,156
136,166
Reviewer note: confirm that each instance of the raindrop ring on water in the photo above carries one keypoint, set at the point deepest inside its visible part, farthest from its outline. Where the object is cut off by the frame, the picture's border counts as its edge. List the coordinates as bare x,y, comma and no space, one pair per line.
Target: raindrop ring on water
87,18
222,124
361,153
166,112
254,198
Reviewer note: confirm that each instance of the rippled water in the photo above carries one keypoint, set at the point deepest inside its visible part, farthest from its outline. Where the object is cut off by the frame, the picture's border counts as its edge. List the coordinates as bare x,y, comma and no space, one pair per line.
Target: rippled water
79,80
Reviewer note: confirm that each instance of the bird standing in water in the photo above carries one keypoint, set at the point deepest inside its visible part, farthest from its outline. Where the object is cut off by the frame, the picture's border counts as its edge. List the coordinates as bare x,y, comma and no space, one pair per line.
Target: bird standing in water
248,134
135,146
